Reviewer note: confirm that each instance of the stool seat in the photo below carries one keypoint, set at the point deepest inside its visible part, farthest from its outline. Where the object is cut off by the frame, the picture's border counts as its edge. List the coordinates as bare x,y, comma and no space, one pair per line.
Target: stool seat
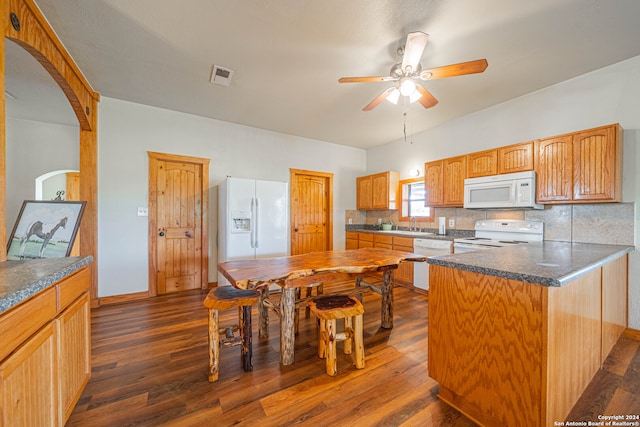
225,298
328,309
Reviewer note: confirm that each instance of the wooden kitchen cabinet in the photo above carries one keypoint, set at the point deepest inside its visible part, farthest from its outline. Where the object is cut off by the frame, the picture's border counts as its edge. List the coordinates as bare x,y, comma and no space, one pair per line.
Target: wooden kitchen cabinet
482,163
378,191
351,241
444,182
454,175
515,158
433,185
580,167
382,241
45,357
365,240
404,273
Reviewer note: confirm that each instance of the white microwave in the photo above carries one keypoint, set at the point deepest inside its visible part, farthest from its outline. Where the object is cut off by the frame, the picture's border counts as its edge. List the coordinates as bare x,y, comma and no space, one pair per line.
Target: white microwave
507,191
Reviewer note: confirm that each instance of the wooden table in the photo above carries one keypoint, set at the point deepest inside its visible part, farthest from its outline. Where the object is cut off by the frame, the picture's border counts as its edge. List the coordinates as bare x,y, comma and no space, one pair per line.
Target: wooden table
298,271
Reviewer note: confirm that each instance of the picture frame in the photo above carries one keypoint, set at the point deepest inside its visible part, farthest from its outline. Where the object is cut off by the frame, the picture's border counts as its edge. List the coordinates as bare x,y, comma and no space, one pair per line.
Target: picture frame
45,229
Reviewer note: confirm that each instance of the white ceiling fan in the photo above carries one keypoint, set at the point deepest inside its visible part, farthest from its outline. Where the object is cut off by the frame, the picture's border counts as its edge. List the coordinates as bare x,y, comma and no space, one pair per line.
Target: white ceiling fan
407,73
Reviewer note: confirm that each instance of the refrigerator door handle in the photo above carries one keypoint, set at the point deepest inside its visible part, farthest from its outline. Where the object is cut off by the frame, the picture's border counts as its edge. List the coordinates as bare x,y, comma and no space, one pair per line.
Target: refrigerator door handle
255,223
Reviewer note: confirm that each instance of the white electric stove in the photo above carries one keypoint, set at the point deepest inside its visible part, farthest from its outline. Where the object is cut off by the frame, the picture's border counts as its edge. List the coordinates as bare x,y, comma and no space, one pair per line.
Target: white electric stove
492,234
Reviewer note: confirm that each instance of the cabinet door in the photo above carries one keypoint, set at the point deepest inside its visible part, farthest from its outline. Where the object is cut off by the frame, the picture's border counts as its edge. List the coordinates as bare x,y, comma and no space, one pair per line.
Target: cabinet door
596,164
364,192
433,173
453,178
554,169
515,158
482,163
380,193
28,383
365,240
404,273
75,365
382,241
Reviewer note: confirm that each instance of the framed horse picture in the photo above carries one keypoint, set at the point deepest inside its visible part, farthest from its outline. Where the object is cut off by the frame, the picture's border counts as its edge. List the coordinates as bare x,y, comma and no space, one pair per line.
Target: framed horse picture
45,229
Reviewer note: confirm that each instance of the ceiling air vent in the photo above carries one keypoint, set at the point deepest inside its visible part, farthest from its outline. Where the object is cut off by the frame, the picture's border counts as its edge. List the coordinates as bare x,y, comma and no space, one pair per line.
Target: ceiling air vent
221,76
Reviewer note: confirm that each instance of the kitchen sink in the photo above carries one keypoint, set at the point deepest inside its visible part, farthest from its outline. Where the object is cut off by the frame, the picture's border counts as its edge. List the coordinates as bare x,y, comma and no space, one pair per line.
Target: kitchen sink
407,233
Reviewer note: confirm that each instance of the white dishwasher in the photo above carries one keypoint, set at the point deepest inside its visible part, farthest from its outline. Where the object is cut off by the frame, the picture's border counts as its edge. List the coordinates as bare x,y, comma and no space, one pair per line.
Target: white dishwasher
427,247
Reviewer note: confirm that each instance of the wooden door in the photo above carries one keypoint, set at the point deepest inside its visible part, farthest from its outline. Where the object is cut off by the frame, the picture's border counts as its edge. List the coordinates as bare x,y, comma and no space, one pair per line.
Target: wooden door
515,158
596,164
364,192
482,163
178,205
554,169
311,211
433,183
454,171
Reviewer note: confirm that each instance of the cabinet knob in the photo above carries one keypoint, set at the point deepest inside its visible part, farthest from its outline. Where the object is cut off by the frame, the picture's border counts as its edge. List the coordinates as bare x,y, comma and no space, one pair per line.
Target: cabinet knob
162,234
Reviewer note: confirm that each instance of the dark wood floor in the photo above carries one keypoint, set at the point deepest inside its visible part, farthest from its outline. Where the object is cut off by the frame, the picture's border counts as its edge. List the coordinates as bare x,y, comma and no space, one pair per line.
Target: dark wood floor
150,368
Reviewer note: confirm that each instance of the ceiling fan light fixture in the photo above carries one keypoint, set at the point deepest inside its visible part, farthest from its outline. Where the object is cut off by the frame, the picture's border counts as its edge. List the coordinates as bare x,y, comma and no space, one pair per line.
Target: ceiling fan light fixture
414,97
407,86
394,96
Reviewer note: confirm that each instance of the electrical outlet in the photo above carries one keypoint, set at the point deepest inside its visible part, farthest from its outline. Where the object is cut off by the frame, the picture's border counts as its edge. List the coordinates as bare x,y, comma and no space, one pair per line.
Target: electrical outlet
143,211
452,223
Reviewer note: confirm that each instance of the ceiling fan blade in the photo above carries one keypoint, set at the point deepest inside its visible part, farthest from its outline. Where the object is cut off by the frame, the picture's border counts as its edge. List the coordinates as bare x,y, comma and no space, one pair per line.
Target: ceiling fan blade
373,104
427,100
366,79
413,50
471,67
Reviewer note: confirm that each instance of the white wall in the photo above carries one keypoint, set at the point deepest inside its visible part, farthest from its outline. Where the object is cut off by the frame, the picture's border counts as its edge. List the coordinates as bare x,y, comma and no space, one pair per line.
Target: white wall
34,148
127,131
609,95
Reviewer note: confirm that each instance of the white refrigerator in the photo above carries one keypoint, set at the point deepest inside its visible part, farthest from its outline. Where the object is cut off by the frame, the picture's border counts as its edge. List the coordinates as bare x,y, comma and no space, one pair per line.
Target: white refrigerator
253,218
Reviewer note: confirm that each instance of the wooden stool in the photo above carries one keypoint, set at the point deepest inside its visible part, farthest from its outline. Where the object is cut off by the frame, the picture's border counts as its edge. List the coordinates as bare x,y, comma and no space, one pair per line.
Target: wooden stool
330,308
224,298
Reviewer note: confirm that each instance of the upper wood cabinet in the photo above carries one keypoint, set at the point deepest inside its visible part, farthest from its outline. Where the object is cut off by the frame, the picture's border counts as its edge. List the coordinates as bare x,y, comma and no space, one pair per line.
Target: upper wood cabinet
433,174
515,158
580,167
378,191
482,163
444,181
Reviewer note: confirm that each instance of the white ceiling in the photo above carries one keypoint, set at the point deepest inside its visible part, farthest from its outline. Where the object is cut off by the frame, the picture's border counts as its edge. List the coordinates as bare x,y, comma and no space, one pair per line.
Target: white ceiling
288,55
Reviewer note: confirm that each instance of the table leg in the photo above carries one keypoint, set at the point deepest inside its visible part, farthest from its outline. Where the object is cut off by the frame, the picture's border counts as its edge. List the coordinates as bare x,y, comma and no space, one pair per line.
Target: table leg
287,325
263,313
359,285
386,316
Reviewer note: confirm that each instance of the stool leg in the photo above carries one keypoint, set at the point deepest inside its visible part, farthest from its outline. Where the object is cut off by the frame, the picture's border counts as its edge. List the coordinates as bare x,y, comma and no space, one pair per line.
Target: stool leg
348,332
331,363
245,332
214,345
322,339
359,341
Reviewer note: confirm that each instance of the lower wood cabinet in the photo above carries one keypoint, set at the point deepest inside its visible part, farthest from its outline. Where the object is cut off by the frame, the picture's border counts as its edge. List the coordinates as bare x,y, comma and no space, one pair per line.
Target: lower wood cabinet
43,374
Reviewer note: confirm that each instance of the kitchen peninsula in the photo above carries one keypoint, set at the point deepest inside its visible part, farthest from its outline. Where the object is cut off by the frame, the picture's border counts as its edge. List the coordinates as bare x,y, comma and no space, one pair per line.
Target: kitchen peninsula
517,333
45,329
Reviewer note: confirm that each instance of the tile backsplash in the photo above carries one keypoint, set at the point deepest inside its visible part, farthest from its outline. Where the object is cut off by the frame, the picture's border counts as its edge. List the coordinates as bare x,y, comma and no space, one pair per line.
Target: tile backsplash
605,223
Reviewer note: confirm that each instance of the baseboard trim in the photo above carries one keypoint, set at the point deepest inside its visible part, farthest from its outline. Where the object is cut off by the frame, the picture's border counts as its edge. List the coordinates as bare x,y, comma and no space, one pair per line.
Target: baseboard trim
117,299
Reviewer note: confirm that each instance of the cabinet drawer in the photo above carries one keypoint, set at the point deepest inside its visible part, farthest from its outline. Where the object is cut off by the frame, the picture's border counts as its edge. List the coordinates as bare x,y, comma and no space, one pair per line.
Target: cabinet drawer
403,248
366,237
23,320
378,239
352,235
70,288
403,241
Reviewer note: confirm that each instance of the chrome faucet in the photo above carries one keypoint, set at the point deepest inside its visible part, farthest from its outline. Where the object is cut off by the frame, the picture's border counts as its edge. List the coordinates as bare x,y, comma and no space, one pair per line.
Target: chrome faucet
415,223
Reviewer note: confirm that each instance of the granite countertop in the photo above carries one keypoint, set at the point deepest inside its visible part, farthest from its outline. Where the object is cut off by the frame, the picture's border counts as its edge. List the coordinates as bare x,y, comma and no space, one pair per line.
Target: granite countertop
547,263
20,280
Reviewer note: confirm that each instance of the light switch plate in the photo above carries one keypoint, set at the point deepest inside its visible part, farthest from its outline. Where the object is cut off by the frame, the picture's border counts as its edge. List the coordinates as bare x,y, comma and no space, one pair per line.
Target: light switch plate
143,211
